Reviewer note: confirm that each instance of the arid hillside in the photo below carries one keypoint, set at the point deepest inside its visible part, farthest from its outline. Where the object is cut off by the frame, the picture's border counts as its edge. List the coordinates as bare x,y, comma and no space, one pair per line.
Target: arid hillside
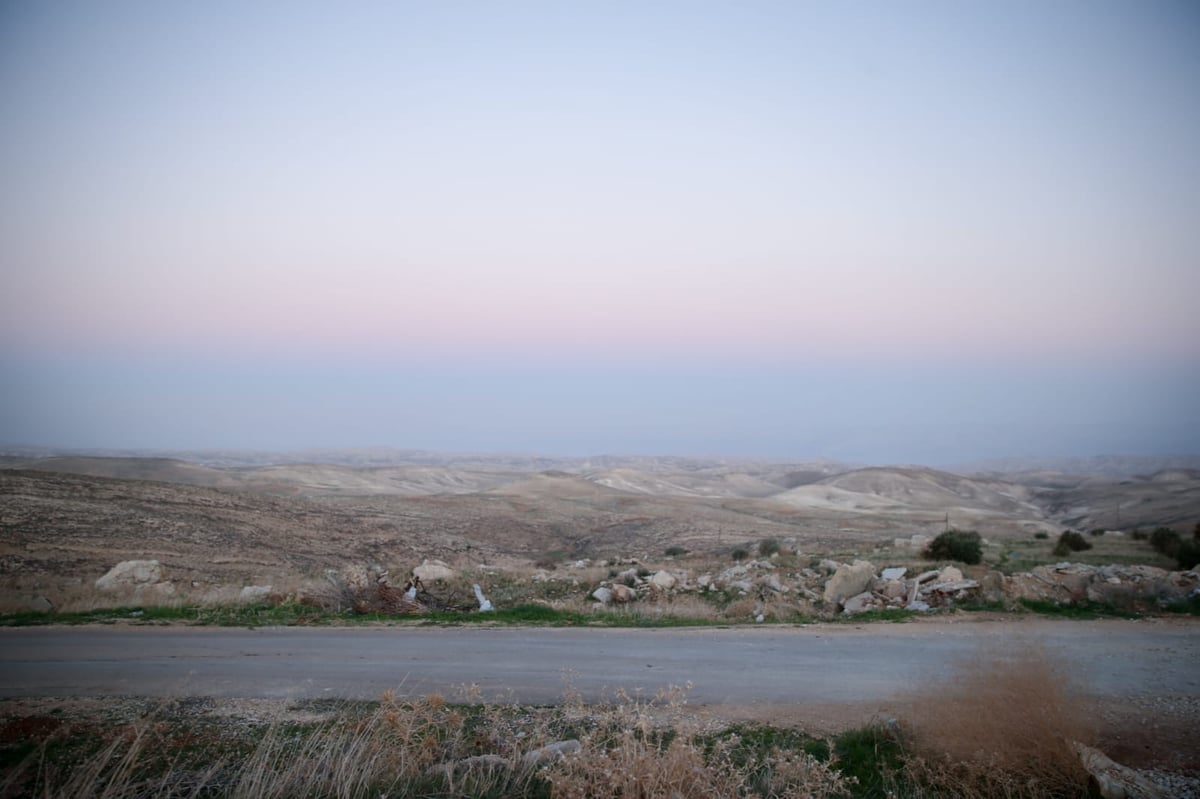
71,518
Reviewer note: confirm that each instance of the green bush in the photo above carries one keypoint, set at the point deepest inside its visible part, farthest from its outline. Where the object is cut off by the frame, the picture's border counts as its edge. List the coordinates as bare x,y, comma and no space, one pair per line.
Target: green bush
1188,556
1139,535
675,551
1098,531
768,547
1070,541
1042,536
960,545
1166,541
741,553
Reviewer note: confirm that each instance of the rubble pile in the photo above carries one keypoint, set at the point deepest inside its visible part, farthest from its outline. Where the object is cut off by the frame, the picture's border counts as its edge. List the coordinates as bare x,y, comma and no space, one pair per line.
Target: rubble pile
860,586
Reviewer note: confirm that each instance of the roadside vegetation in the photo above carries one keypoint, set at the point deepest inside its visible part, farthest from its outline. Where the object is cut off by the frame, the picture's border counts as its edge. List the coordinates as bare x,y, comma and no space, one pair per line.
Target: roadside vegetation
1000,725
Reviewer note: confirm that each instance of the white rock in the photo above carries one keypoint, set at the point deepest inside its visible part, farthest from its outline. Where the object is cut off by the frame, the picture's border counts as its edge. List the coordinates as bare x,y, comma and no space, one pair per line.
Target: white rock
603,595
917,605
432,570
254,593
950,574
39,604
664,580
131,574
848,580
704,580
894,573
550,753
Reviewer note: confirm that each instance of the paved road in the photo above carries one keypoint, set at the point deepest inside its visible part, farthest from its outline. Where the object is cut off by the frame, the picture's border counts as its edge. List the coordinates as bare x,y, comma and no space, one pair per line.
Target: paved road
826,663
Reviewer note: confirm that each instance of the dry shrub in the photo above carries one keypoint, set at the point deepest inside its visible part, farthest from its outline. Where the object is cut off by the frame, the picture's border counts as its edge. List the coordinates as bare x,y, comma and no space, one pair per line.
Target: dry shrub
641,749
1001,727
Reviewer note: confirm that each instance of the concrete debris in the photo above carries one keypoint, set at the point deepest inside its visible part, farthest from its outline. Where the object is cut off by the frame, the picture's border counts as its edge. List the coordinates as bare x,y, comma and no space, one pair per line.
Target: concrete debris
485,604
603,595
860,603
894,573
1114,781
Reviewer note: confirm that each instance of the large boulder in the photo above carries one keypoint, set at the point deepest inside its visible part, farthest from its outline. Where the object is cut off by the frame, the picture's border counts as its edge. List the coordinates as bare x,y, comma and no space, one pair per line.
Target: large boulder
603,595
622,593
848,580
131,574
433,570
254,593
663,580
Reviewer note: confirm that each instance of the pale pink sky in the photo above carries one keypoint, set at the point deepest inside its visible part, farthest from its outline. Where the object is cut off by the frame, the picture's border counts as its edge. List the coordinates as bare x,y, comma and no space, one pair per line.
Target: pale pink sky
770,184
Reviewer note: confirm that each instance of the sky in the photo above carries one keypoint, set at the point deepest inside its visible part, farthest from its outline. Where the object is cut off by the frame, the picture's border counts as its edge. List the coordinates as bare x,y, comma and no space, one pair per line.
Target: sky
917,232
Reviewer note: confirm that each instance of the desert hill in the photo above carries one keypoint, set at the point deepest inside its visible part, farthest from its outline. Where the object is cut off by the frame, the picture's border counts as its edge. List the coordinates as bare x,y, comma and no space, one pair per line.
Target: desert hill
76,516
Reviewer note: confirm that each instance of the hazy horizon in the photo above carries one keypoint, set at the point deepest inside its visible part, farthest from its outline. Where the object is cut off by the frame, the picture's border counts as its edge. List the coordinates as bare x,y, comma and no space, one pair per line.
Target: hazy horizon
923,233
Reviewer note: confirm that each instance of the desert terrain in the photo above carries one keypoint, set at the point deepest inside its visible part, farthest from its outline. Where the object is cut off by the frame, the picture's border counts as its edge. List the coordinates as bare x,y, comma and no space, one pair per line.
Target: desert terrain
225,518
221,523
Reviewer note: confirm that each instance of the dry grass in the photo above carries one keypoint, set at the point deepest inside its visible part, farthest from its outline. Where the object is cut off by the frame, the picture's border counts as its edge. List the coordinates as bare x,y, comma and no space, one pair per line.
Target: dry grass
631,754
1002,726
631,747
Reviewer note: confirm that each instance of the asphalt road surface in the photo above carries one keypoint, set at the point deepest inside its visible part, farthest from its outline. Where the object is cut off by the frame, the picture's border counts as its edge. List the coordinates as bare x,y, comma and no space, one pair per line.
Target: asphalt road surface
820,663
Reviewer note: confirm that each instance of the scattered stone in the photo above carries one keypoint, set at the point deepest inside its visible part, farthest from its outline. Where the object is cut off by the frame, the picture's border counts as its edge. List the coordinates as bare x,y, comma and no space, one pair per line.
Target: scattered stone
859,603
603,595
918,606
771,582
131,574
433,570
622,593
894,573
254,593
40,604
848,580
550,753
